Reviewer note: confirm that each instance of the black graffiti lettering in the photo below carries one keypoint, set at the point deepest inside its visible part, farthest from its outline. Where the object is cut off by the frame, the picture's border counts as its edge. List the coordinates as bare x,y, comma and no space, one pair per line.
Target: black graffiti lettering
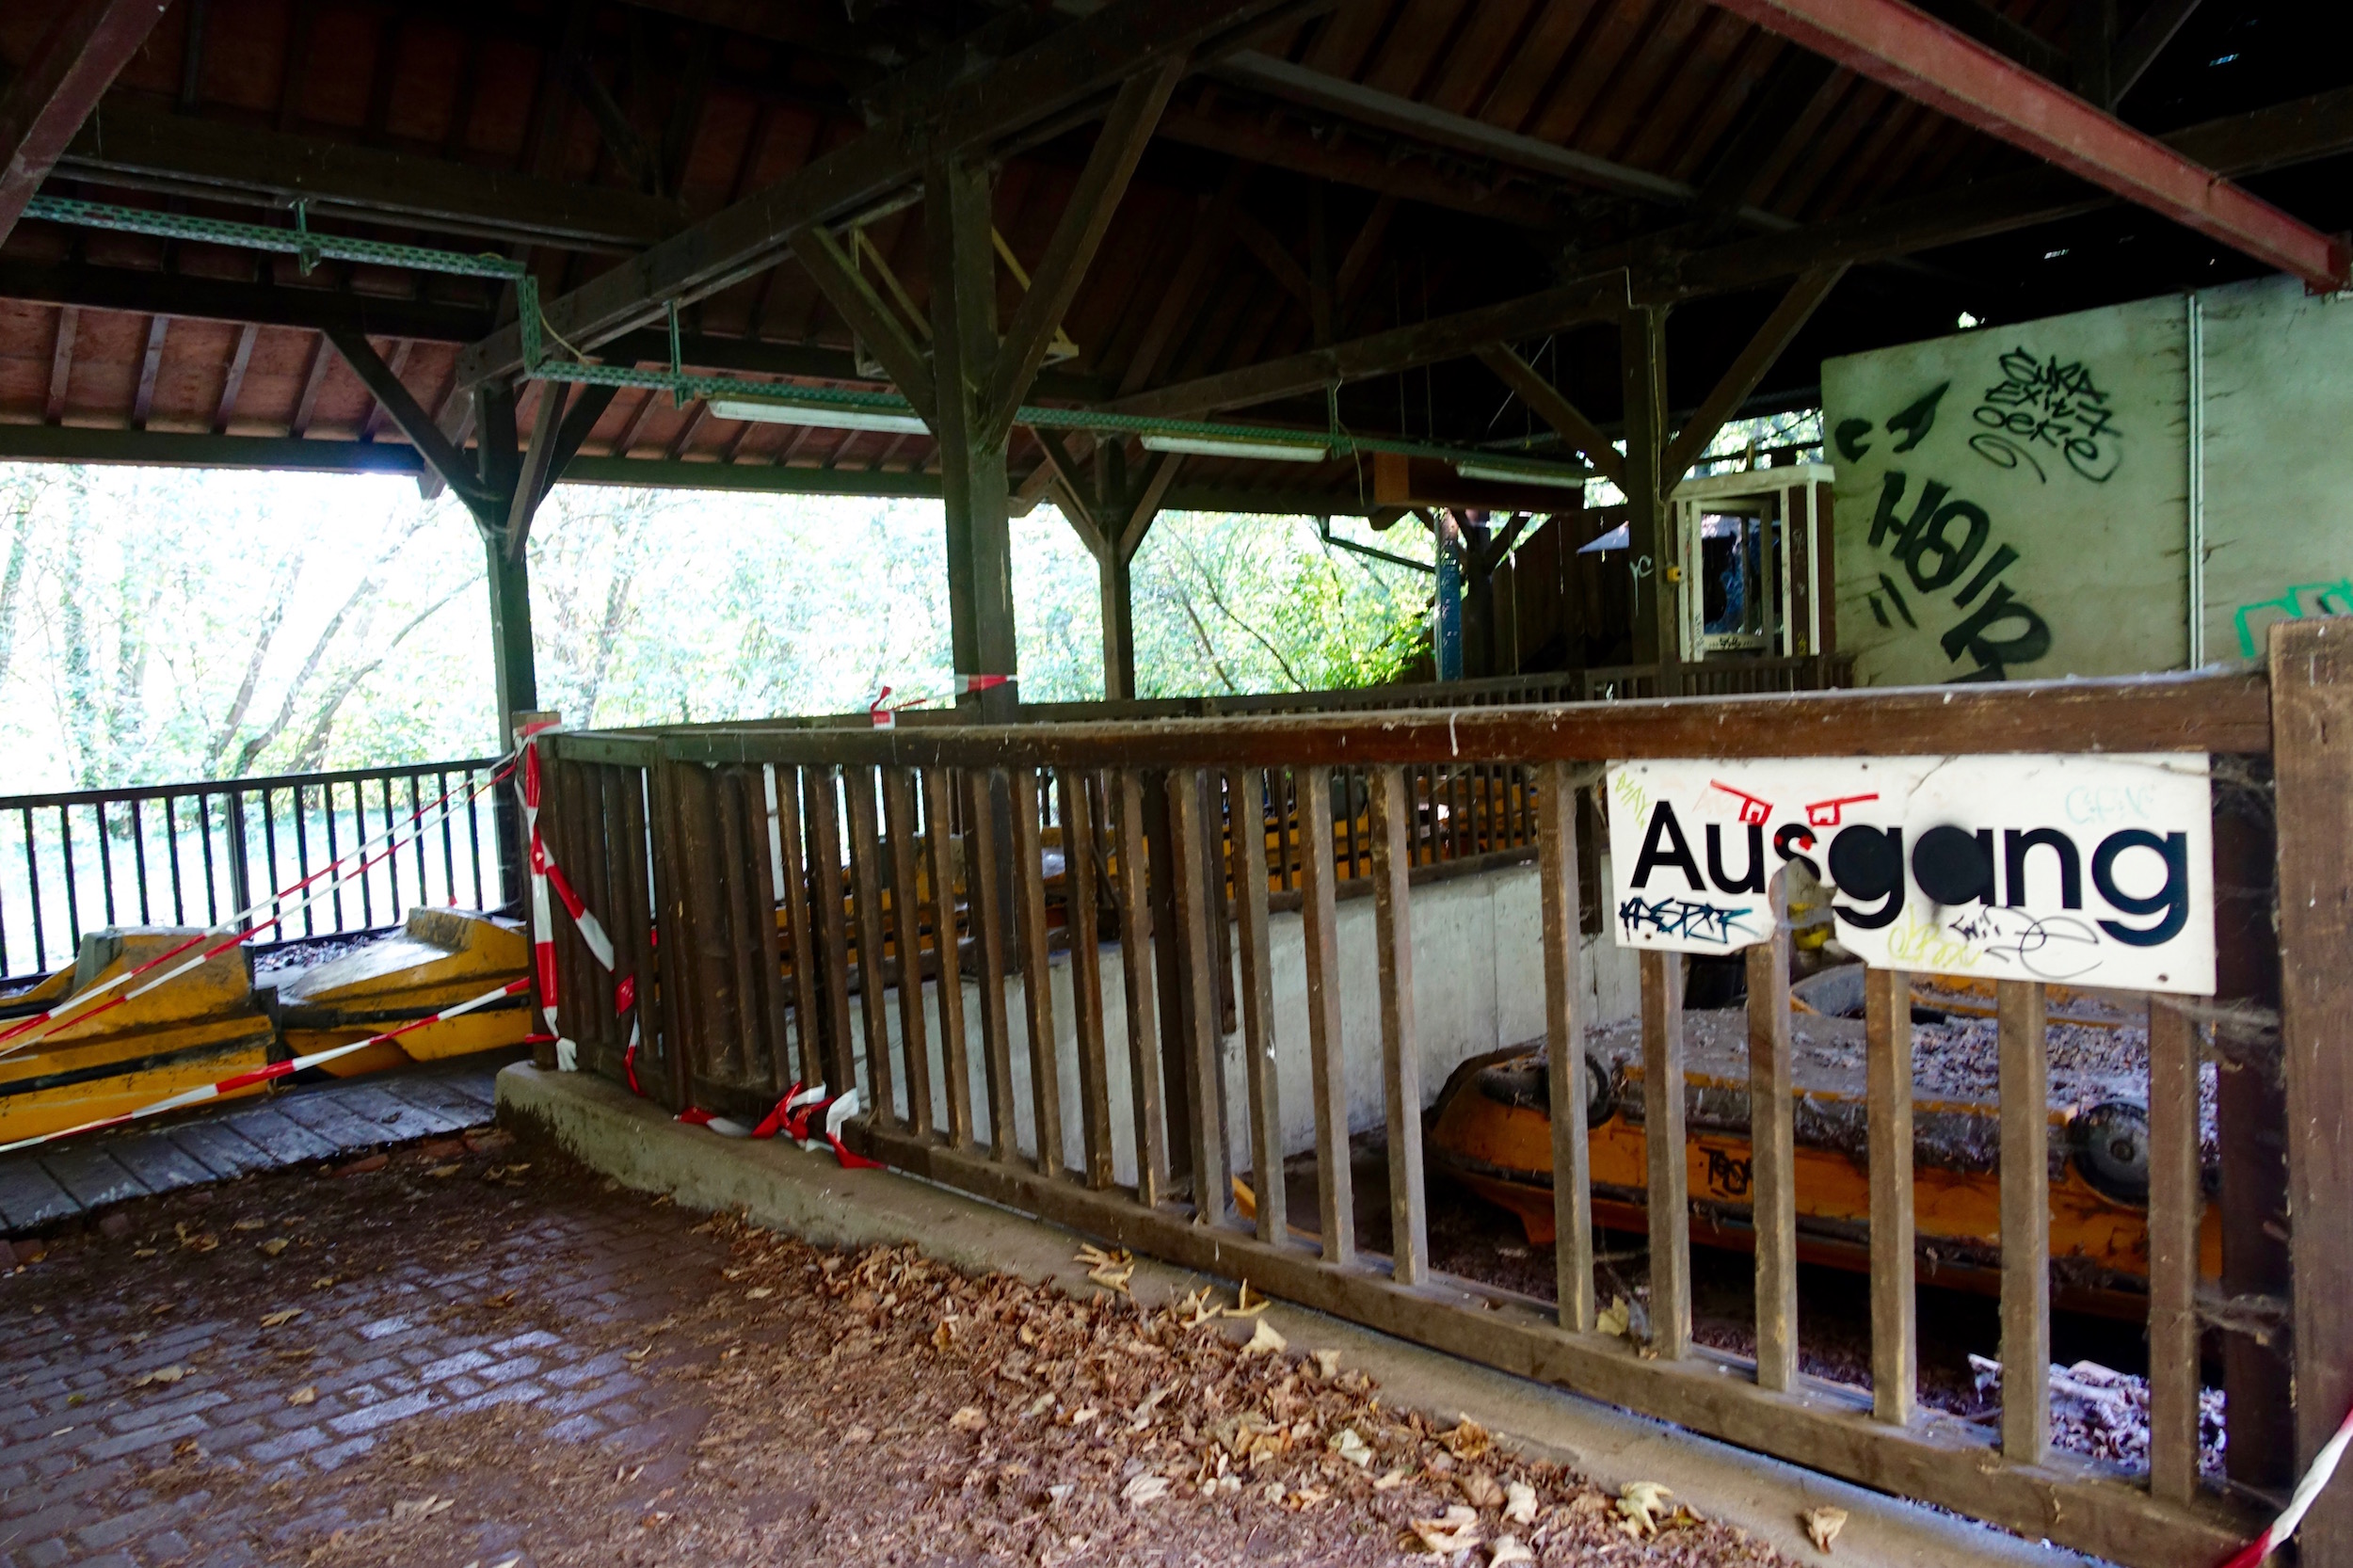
2014,847
1728,1174
2045,403
1664,845
1682,917
1752,880
2000,561
1932,495
1850,435
1897,595
1918,419
1993,655
1868,863
1954,866
2173,897
1935,542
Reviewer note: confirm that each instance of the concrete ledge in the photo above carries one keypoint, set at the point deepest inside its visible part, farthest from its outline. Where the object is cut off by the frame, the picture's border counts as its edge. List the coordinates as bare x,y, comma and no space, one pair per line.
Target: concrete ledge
808,1195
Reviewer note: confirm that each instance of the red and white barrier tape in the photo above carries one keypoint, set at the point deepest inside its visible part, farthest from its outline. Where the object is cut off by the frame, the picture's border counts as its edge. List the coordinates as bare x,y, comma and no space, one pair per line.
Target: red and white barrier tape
790,1118
2307,1492
239,928
273,1070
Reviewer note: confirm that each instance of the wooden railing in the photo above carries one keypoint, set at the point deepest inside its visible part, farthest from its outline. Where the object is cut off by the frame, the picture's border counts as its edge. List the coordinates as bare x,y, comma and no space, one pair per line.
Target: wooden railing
801,877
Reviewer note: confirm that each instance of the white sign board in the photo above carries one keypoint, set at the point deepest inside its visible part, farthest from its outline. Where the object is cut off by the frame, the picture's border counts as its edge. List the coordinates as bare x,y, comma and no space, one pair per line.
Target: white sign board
2087,870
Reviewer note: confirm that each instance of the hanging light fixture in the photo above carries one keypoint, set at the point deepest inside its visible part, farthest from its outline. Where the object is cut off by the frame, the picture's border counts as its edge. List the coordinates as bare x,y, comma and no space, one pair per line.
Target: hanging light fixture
821,416
1225,446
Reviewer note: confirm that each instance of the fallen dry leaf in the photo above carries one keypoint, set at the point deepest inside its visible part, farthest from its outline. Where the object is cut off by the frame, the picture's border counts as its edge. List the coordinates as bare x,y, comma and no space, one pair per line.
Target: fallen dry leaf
759,1295
248,1224
161,1374
1640,1503
421,1507
969,1419
1822,1526
444,1171
1352,1448
503,1299
1458,1531
858,1434
1468,1440
1243,1307
1266,1341
1327,1364
272,1247
1508,1549
1519,1503
1394,1480
1145,1488
306,1393
1481,1490
1615,1316
280,1319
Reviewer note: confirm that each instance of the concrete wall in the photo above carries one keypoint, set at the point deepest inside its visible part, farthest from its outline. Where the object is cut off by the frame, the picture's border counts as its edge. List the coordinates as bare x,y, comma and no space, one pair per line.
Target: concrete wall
1478,985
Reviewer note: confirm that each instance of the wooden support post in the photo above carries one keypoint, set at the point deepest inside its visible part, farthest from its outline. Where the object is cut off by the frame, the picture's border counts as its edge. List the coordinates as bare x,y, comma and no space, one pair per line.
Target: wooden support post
1887,1093
1564,1044
1401,1037
1650,522
1137,939
1773,1151
1668,1193
2312,727
1335,1199
2176,1209
1245,794
2026,1101
1205,1103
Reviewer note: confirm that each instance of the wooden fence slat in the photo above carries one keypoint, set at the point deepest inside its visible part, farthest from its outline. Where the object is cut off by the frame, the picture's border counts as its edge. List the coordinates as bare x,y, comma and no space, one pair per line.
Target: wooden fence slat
988,927
1400,1037
2176,1206
940,817
632,852
1087,974
1136,937
1038,977
1564,1047
748,1052
906,912
761,855
670,902
2025,1176
1668,1191
1205,1103
1245,795
716,1039
866,885
799,911
1887,1096
1335,1199
833,927
1772,1145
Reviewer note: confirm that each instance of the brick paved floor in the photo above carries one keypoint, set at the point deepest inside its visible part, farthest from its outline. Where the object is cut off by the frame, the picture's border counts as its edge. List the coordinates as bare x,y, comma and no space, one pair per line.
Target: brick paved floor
150,1387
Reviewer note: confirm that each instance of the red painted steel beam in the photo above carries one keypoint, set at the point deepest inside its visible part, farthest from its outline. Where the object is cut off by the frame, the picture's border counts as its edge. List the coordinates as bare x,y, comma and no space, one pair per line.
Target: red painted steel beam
1897,46
72,66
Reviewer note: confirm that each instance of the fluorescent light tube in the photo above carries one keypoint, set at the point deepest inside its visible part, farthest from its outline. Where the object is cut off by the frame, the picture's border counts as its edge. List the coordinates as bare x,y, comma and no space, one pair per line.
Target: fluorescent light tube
1221,446
821,416
1566,479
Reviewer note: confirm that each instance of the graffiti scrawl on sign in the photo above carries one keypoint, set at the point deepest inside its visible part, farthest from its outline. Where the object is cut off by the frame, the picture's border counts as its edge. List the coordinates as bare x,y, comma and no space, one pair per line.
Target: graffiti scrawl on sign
2085,870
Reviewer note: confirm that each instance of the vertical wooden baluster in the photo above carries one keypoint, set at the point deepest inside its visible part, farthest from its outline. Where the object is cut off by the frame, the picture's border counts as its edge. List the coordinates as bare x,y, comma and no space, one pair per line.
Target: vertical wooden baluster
719,1040
1400,1039
669,879
1038,977
907,910
866,882
739,945
632,852
1564,1048
761,852
1667,1194
1245,791
1087,974
1772,1150
800,909
2025,1095
2176,1204
833,932
1136,966
1204,1105
1336,1199
939,815
988,931
1887,1091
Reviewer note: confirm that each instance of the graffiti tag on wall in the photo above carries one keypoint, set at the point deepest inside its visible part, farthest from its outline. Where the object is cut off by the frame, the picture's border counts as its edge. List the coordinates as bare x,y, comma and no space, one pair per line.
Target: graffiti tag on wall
2044,409
2300,602
2095,869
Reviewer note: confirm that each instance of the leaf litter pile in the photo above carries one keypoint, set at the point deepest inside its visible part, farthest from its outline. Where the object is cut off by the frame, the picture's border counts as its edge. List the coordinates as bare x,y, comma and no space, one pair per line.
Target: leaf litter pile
884,1408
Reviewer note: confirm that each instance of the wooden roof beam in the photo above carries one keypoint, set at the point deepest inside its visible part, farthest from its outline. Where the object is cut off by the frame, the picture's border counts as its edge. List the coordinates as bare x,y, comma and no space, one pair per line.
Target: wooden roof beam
1071,65
70,67
1895,45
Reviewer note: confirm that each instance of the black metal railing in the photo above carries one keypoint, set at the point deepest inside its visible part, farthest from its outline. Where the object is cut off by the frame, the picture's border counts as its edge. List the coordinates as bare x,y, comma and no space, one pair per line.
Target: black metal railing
197,854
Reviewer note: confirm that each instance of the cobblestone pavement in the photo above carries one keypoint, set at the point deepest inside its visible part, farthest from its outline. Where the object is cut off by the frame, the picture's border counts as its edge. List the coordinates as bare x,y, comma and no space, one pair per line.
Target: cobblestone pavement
184,1380
474,1353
